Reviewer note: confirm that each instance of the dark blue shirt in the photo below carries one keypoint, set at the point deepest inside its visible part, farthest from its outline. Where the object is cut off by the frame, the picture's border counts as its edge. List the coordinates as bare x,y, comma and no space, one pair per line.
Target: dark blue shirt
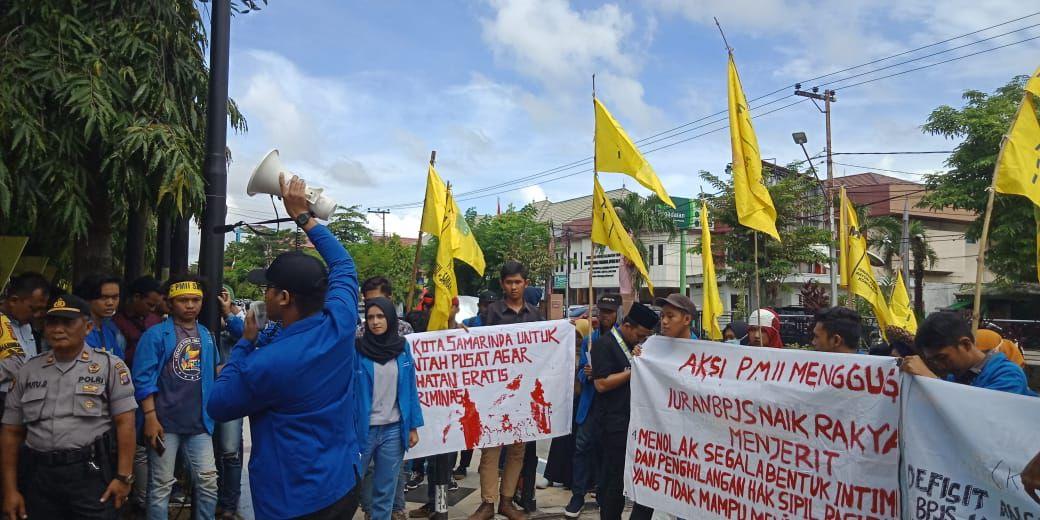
299,393
107,337
998,373
178,405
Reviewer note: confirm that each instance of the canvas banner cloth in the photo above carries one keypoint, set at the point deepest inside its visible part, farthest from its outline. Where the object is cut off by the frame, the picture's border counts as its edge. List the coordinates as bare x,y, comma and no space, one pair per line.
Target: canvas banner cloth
964,448
492,386
725,431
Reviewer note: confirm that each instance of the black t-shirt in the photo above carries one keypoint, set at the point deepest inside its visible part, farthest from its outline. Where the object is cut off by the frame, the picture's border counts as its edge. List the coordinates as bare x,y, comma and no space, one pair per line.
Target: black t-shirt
611,408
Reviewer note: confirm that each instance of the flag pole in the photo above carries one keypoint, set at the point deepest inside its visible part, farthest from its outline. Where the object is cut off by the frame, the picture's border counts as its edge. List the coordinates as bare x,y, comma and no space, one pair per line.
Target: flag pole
595,177
980,266
418,249
758,289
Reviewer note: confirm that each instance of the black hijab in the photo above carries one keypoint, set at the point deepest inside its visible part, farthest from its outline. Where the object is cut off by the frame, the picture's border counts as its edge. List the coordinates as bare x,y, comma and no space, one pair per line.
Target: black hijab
382,347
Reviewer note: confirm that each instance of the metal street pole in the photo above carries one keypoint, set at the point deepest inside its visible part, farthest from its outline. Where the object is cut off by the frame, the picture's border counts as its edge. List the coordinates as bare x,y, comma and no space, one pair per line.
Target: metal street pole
827,97
214,166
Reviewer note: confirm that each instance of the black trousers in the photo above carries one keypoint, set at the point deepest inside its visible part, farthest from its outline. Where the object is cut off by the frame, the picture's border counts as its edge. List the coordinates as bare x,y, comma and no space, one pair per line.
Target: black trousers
528,474
66,491
641,512
465,457
611,494
343,508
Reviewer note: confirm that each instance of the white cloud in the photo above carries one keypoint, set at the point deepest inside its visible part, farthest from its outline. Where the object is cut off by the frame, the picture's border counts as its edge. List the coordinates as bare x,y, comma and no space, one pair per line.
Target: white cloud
531,194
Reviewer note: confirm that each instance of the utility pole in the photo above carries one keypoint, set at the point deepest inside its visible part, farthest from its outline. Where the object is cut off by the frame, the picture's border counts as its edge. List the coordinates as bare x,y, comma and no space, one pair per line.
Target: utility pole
214,166
382,214
827,97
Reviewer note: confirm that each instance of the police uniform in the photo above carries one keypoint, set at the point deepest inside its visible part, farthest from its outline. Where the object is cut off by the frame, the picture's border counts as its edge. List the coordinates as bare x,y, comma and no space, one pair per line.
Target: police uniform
12,356
67,410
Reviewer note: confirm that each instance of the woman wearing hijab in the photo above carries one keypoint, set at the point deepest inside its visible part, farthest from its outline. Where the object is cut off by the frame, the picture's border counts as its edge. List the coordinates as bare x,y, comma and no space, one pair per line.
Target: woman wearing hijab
735,332
763,330
388,402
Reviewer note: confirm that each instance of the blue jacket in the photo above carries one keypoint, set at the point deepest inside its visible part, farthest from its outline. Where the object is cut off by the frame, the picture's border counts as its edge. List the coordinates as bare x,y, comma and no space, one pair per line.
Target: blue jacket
299,393
588,389
154,350
108,335
407,395
1000,373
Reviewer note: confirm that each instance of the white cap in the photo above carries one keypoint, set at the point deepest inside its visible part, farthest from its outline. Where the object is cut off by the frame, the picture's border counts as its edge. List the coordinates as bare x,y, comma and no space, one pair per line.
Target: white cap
762,318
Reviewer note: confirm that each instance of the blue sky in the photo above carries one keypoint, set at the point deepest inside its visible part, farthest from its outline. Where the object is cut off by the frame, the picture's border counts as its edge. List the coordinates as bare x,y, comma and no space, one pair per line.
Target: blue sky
356,94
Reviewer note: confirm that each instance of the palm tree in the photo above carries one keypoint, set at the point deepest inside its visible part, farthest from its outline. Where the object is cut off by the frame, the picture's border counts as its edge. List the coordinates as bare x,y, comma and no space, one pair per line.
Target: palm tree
642,215
885,234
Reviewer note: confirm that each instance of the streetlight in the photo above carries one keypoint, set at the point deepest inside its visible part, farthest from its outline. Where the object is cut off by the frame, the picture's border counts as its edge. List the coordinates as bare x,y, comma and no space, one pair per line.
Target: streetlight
800,139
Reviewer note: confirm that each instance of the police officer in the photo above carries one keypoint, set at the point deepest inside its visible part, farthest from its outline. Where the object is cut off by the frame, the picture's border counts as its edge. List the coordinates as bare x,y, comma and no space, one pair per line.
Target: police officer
62,407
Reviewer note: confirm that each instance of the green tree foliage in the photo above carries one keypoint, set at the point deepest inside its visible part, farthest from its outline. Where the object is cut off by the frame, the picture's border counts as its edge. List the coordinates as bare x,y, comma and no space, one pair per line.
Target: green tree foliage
348,225
513,235
980,125
885,234
800,210
389,258
102,115
641,216
255,251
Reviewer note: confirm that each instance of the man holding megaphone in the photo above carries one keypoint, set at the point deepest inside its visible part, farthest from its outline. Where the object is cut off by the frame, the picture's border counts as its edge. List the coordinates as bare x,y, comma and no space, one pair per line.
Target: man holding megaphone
297,387
266,179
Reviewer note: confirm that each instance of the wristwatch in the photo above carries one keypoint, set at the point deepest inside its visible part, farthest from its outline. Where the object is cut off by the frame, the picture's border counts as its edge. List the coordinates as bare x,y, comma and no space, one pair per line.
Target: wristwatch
126,479
303,218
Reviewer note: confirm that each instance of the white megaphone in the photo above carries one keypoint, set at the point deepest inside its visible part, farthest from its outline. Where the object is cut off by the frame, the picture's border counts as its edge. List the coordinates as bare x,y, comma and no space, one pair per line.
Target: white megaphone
265,180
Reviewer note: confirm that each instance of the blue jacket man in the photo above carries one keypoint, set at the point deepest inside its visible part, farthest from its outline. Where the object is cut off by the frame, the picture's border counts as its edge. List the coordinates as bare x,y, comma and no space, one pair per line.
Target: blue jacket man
154,351
299,389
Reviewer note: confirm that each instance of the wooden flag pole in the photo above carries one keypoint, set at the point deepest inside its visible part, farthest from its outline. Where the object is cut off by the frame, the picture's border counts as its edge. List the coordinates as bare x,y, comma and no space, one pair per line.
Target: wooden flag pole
980,266
595,176
758,291
418,249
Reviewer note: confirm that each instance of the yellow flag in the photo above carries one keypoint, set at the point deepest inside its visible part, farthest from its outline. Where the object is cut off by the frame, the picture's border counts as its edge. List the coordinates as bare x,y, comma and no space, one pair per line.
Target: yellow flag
1018,168
616,153
845,221
861,279
711,306
607,230
444,284
754,205
433,206
464,243
902,313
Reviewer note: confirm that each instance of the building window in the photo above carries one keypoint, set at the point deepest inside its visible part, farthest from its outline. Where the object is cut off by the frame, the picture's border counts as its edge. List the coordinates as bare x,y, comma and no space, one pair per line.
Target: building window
660,254
651,253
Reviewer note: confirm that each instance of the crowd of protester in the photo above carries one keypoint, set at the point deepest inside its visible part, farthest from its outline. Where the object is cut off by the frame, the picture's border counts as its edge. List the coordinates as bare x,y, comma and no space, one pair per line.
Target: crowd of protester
117,397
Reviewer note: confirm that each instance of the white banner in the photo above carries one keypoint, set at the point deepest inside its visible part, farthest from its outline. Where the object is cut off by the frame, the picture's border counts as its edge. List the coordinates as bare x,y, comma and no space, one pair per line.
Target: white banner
724,431
964,450
492,386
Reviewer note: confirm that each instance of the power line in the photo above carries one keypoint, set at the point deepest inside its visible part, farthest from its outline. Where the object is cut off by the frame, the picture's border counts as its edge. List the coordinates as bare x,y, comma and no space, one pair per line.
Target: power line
874,168
581,162
893,153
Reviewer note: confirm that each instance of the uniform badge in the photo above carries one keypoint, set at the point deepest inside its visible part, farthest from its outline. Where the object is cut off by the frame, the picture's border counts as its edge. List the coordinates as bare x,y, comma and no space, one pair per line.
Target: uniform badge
124,377
90,388
89,404
120,365
94,368
50,359
84,356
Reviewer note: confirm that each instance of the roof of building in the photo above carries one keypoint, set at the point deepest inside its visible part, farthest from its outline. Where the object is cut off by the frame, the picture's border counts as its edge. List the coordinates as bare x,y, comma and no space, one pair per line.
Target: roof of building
570,209
887,195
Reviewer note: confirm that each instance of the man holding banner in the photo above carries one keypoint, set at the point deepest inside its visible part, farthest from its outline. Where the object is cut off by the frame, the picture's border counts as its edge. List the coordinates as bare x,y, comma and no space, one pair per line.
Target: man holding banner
611,373
510,309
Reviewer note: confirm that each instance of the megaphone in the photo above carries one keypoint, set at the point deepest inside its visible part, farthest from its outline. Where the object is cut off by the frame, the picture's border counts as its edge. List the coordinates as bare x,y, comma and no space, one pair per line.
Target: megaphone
265,180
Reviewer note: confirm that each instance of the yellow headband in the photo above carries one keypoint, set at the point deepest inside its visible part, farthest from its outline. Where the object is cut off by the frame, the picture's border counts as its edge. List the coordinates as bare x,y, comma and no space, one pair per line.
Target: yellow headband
185,289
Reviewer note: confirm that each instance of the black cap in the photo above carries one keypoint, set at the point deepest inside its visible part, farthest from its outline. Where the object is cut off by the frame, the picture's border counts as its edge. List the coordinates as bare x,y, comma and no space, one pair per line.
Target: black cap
610,302
294,272
679,302
487,297
642,315
69,306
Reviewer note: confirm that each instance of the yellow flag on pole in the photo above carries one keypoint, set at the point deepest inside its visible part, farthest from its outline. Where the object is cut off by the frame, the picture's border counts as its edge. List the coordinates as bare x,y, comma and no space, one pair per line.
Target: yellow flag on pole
464,243
754,205
711,306
861,279
902,313
433,206
444,284
1018,165
607,230
615,152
